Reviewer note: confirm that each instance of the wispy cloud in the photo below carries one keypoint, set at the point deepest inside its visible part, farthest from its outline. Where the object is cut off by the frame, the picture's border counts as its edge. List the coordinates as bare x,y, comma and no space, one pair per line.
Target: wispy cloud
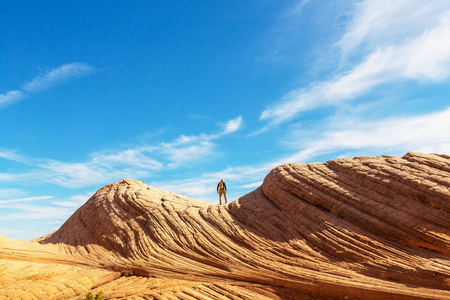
34,212
228,127
57,76
11,97
78,175
26,199
424,57
422,133
110,165
252,185
47,80
232,125
137,157
7,177
184,150
12,155
73,175
381,23
191,149
10,193
57,210
74,201
188,154
140,161
298,7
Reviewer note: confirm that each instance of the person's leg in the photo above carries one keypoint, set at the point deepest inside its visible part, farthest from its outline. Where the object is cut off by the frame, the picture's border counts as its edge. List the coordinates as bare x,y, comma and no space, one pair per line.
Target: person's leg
225,195
220,197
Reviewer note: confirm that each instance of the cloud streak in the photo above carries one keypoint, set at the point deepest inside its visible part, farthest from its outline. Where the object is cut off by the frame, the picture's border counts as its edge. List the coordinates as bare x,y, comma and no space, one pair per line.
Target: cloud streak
11,97
424,57
112,165
422,133
38,198
188,149
45,81
12,155
57,76
74,201
232,125
380,23
31,212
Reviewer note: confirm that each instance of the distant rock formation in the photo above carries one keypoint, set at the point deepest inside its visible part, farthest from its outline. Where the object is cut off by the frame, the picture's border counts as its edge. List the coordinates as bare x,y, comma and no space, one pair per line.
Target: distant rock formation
361,228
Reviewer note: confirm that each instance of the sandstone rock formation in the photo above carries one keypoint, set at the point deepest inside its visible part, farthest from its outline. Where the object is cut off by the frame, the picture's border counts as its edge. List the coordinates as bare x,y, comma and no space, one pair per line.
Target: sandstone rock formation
361,228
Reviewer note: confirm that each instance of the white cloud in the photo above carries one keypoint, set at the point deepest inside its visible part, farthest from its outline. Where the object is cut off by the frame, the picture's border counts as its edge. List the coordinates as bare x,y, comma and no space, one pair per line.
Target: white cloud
378,23
77,175
26,199
426,57
12,155
6,193
45,81
183,139
228,127
422,133
57,76
74,174
11,231
232,125
298,8
11,97
111,165
21,209
252,185
7,177
26,234
184,150
55,222
74,201
29,212
131,157
179,156
196,188
193,149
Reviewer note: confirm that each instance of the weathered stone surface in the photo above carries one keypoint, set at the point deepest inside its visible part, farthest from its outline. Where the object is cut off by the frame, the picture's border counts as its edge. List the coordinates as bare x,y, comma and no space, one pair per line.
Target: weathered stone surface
361,228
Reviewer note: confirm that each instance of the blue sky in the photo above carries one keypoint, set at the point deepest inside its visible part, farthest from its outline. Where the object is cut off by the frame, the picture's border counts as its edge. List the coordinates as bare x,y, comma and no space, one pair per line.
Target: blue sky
180,94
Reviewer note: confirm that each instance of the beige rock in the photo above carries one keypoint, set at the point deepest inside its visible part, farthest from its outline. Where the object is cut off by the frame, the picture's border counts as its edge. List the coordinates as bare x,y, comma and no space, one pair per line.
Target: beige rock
361,228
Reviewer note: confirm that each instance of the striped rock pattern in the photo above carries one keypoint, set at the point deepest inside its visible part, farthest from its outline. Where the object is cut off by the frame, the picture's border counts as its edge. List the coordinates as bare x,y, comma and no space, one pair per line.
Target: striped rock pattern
361,228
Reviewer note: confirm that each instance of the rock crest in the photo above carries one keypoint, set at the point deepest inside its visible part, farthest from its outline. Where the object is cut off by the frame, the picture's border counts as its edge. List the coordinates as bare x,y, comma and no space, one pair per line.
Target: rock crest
361,228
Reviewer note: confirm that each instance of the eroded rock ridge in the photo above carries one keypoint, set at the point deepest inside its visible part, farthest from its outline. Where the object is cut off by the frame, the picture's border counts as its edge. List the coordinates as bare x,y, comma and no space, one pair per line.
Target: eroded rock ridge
360,228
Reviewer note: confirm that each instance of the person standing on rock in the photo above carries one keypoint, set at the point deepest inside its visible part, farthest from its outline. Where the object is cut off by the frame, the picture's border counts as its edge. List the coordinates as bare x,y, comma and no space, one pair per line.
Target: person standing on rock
222,189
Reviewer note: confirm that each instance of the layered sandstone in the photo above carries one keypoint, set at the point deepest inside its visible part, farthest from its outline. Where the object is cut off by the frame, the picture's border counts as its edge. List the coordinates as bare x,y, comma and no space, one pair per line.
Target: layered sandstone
361,228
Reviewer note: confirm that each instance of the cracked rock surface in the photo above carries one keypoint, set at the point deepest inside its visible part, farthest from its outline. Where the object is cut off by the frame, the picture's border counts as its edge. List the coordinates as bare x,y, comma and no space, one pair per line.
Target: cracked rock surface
359,228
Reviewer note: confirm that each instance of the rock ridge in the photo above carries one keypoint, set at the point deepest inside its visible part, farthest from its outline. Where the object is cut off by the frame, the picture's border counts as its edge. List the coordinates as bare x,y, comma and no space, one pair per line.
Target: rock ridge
351,228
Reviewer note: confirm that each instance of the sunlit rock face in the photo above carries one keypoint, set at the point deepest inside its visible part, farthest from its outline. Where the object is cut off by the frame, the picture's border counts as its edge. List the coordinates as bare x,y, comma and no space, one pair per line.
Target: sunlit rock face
361,228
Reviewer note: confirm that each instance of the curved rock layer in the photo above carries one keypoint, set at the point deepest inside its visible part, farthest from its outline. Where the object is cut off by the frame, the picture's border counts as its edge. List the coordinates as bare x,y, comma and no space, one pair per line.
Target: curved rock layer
361,228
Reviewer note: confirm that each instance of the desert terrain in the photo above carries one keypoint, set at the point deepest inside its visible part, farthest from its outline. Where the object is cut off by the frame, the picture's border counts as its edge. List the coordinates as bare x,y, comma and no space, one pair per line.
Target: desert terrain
351,228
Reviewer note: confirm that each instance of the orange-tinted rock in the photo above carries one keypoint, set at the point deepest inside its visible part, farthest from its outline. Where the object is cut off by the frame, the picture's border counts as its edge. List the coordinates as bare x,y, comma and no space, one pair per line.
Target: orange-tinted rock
361,228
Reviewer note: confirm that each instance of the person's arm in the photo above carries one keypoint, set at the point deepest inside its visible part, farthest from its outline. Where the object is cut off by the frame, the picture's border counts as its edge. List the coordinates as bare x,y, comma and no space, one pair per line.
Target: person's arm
224,186
218,187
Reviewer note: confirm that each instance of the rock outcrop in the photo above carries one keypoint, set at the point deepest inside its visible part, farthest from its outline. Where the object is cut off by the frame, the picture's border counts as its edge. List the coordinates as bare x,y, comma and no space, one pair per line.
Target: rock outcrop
361,228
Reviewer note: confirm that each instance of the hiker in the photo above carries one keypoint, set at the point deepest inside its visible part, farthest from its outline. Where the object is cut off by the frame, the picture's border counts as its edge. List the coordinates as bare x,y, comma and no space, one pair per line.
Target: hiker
222,189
